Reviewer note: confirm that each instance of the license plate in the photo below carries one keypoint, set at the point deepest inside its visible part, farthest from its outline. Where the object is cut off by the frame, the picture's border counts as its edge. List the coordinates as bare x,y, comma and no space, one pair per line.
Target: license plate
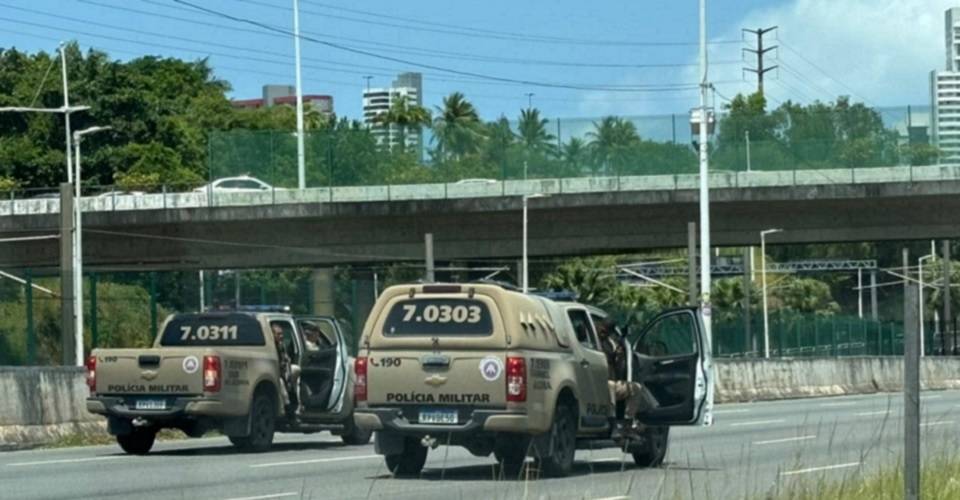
151,404
438,416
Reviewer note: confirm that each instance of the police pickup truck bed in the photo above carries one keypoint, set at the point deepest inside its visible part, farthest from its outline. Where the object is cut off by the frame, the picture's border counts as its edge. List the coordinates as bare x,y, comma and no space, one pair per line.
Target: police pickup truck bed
245,374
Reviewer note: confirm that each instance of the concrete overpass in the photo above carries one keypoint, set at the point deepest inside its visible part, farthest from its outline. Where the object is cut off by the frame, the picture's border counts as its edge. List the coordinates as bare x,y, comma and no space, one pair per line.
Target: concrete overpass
323,226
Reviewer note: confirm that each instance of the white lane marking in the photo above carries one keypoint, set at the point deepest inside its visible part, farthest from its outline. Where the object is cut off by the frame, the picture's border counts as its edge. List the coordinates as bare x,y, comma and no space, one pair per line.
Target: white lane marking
845,403
612,498
945,422
785,440
725,412
871,413
757,422
817,469
932,396
314,461
62,461
612,459
265,497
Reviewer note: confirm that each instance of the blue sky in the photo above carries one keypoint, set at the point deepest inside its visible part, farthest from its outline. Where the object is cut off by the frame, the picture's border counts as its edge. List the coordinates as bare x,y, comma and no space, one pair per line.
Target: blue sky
878,50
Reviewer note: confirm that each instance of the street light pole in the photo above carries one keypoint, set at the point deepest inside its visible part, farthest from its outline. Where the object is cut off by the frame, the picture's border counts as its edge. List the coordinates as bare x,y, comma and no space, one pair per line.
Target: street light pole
705,308
301,160
78,242
763,279
66,114
525,275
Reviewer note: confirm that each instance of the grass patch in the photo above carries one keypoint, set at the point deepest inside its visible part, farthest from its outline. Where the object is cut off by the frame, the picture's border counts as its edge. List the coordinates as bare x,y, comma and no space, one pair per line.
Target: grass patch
939,480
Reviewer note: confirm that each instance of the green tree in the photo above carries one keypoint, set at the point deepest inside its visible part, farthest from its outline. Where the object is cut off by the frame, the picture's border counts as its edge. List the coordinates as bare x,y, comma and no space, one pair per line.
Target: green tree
612,143
532,132
457,130
404,115
575,155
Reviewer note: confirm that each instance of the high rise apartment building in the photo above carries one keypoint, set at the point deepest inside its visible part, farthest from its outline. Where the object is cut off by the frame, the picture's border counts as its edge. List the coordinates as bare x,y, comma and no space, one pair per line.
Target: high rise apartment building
945,94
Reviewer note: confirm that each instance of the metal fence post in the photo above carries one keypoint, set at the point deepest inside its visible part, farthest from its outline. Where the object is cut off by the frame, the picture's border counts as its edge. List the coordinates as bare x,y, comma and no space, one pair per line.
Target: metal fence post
94,330
153,304
31,333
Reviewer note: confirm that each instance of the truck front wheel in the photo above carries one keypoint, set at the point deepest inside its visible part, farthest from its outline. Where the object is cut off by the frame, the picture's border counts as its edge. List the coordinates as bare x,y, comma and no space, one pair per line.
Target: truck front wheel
655,449
138,442
410,461
353,435
262,426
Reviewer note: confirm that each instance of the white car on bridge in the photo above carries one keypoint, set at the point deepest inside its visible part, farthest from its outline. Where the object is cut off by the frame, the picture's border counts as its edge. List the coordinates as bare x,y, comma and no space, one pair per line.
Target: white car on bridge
240,184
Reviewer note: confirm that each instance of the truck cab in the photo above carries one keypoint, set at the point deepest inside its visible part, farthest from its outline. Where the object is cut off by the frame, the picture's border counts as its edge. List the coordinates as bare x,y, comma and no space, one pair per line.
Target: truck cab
518,375
247,373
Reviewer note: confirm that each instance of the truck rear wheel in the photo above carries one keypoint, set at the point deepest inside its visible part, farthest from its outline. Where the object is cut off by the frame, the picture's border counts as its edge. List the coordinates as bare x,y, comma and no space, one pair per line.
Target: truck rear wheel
262,426
410,461
353,435
655,449
511,459
137,442
563,438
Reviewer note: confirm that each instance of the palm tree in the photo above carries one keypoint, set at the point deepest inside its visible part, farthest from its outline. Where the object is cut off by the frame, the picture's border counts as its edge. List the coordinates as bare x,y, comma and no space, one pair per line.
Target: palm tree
532,131
612,142
574,153
404,115
457,129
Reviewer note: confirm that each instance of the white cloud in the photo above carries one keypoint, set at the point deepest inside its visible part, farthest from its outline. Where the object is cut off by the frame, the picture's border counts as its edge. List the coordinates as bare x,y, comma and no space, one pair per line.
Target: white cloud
879,50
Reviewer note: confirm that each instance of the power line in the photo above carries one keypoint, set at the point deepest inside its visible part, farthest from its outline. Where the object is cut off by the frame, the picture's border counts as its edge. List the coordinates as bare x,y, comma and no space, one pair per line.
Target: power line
43,81
444,28
400,49
822,71
658,88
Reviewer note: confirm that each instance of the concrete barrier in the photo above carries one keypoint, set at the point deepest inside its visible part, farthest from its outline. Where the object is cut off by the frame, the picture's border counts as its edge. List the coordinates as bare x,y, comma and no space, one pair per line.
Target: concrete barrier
759,380
40,405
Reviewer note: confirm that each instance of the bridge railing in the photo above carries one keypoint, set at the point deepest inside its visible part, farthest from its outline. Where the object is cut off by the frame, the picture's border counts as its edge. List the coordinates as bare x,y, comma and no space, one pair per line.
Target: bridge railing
165,196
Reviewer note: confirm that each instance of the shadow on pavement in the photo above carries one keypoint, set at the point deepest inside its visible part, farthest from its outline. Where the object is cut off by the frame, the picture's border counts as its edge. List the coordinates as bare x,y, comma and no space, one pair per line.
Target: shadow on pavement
491,472
231,450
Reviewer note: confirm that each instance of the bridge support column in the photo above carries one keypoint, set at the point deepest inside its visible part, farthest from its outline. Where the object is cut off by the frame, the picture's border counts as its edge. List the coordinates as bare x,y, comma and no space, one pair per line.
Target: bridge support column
67,340
323,286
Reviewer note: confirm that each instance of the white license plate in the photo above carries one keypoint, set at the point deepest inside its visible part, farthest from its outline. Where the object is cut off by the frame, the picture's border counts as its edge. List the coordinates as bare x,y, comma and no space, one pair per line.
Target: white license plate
151,404
438,417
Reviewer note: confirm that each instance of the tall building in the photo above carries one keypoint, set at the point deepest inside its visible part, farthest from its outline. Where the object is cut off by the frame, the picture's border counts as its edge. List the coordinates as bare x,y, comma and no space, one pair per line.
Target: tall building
377,101
945,94
287,95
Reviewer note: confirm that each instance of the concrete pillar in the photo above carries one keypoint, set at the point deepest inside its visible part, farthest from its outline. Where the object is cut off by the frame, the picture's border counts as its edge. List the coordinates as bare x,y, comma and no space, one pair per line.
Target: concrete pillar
873,294
949,334
747,289
67,342
428,256
692,264
323,284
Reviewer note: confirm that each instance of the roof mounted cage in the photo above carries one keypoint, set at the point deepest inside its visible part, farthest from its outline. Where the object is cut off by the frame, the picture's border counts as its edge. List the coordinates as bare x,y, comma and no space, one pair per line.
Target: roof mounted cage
254,308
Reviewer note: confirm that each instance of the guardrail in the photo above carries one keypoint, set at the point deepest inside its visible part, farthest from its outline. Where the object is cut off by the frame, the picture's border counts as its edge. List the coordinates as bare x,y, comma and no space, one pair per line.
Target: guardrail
168,199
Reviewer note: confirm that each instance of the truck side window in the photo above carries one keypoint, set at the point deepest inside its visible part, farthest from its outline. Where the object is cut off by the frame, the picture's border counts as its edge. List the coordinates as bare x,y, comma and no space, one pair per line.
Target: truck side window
582,328
673,335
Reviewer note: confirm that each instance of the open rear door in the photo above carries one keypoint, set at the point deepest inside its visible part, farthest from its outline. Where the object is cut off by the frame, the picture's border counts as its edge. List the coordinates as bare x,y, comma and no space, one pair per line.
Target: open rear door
672,360
322,364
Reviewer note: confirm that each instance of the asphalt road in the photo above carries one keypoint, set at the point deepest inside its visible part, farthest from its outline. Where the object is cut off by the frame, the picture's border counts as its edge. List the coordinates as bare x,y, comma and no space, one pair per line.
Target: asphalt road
751,450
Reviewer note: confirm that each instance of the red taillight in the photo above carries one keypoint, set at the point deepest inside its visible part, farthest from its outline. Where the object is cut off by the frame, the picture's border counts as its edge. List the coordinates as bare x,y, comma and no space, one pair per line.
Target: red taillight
360,382
92,373
211,373
516,380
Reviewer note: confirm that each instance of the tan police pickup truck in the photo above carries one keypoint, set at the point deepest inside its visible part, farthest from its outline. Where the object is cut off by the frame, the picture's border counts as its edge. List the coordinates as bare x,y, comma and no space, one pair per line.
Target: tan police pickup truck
223,371
519,375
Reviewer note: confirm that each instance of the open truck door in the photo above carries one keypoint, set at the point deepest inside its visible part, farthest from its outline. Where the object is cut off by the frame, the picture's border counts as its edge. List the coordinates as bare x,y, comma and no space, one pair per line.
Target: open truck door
323,364
672,360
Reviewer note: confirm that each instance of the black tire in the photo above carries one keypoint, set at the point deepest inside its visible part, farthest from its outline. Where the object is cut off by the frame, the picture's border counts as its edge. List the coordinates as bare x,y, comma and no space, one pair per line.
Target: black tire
655,449
263,425
410,461
511,459
353,435
563,436
137,442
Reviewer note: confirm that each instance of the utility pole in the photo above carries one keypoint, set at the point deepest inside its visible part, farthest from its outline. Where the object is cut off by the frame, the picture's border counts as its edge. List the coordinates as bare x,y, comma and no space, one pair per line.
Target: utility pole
301,154
692,265
705,307
948,326
760,51
911,386
428,247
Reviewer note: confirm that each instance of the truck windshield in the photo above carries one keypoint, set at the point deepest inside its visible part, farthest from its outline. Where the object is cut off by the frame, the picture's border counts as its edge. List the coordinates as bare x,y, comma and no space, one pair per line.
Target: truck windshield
438,317
217,329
